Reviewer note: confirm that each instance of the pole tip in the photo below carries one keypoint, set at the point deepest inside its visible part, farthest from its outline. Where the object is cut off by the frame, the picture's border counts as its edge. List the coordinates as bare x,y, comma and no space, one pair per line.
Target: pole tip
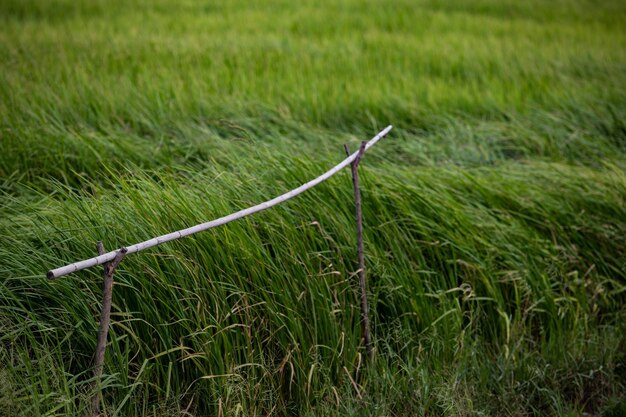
50,275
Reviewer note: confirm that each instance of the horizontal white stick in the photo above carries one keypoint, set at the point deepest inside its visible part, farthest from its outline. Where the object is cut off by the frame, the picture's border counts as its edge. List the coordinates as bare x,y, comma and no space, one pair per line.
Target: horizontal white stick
98,260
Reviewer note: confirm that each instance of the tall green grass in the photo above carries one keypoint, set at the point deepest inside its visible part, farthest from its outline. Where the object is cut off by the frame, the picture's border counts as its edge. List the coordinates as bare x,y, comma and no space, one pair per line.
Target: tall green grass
495,224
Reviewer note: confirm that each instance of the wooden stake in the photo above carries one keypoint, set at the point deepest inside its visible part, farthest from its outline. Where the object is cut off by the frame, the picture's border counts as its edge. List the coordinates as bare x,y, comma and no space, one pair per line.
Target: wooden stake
105,320
365,323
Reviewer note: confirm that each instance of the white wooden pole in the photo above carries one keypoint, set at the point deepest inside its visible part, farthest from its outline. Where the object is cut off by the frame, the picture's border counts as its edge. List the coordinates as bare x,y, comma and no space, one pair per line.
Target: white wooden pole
109,256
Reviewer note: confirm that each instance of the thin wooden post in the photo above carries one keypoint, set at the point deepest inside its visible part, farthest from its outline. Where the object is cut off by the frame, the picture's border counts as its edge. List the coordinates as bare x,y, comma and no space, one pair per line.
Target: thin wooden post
365,323
105,320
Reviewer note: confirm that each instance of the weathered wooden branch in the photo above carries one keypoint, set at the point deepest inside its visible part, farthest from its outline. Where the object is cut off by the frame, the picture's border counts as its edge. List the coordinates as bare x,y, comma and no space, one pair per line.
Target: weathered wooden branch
107,257
105,320
365,322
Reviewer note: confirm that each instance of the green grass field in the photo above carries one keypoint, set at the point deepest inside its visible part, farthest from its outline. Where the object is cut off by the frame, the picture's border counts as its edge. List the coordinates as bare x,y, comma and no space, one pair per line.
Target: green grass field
495,218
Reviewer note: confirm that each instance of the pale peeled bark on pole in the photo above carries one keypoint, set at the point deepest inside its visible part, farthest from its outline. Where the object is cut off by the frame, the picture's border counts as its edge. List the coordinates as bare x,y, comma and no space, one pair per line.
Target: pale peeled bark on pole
107,257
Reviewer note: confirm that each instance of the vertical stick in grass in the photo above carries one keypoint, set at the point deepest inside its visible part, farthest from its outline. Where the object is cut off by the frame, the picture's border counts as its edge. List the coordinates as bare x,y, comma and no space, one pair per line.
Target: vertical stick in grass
105,320
365,324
